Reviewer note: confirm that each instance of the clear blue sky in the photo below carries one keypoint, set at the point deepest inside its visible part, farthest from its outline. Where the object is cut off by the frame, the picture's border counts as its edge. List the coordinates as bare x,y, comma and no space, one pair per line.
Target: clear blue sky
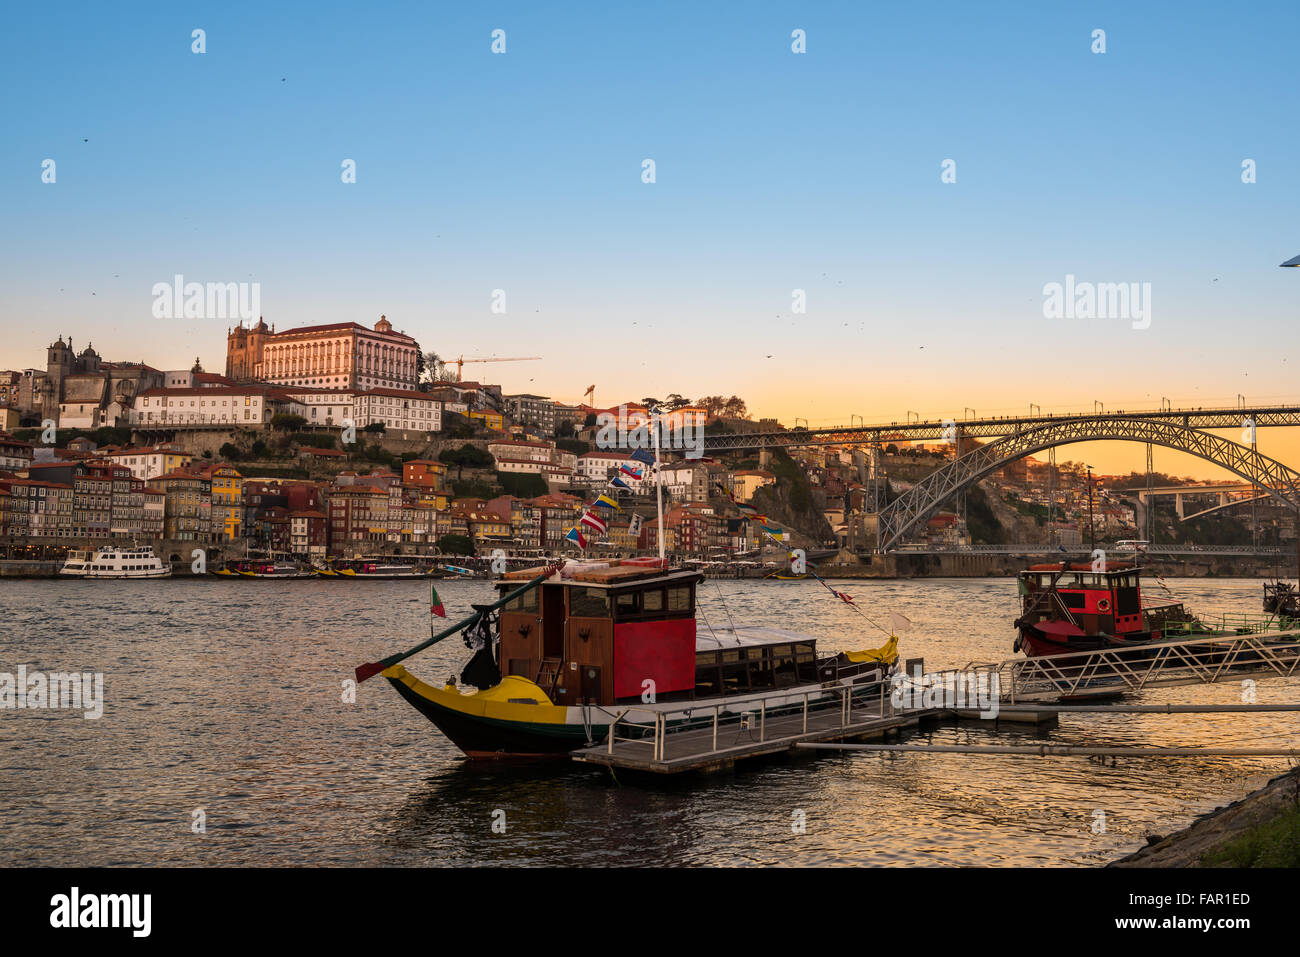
775,171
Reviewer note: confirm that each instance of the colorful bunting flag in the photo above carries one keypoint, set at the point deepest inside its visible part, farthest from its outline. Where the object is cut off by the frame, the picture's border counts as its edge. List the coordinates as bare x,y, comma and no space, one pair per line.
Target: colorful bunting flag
604,499
435,603
641,455
576,537
592,520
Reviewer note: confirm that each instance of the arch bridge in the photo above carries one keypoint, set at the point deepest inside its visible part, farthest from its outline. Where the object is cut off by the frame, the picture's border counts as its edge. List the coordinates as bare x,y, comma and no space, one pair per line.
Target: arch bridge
916,504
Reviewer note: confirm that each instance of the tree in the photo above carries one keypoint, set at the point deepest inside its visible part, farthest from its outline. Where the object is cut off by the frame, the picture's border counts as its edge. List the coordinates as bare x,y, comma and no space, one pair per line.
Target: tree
455,545
230,452
471,488
522,484
467,456
287,421
675,401
430,368
375,427
733,407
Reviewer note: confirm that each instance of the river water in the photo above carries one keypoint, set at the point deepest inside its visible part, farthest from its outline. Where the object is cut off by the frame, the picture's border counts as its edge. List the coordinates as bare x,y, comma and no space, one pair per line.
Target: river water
225,698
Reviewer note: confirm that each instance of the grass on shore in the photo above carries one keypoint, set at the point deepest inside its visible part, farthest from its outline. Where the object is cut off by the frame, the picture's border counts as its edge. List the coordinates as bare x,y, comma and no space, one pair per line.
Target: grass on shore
1274,843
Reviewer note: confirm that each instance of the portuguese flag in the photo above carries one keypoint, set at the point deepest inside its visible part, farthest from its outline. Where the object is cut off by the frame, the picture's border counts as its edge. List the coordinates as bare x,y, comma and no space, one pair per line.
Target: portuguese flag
435,603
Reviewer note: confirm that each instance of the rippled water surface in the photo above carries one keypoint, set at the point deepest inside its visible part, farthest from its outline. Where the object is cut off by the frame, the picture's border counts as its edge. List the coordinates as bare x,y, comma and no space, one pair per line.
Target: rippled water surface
225,696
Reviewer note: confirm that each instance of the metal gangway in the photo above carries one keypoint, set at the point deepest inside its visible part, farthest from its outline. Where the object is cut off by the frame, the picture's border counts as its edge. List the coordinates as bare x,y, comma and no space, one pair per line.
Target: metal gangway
1178,661
701,736
704,735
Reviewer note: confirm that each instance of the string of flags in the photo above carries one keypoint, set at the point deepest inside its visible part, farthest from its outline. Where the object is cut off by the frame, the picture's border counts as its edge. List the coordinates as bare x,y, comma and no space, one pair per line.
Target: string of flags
635,467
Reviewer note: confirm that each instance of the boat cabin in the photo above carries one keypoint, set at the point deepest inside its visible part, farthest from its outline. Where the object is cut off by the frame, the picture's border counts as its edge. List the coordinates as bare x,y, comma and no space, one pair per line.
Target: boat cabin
600,635
1098,602
610,633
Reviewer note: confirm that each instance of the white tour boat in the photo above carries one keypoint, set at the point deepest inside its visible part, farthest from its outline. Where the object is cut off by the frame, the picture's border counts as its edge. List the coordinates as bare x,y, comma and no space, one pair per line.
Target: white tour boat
112,561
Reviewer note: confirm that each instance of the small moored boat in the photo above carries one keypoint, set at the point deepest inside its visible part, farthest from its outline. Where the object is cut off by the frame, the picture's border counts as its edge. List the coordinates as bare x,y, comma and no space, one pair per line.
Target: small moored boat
368,568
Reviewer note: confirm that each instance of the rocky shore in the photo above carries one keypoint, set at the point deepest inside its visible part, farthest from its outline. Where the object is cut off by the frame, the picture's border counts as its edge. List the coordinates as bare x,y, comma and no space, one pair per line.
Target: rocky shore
1258,830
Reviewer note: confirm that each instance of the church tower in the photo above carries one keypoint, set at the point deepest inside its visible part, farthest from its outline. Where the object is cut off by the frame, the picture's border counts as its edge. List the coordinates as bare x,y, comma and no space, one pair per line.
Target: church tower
244,351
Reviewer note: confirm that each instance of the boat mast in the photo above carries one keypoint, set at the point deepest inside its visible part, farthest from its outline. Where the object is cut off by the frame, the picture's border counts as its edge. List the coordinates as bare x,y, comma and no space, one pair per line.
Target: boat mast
659,485
1092,528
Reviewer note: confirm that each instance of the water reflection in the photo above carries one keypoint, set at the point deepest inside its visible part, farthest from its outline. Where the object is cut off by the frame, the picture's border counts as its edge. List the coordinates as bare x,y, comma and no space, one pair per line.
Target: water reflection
226,697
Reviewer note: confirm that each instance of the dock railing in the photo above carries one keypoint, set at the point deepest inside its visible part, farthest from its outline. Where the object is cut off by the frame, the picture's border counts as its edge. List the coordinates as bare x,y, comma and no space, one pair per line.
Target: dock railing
752,712
1242,623
1204,660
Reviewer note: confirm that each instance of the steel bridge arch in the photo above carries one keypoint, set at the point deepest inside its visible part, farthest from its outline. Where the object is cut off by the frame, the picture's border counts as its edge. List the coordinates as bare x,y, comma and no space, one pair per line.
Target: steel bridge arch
1270,475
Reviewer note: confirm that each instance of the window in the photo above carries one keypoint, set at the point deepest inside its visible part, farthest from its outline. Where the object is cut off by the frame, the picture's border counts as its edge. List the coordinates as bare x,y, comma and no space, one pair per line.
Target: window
679,598
588,603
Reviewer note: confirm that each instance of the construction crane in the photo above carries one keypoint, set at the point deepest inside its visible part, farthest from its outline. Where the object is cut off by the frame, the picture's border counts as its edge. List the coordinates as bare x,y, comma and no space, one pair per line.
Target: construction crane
462,360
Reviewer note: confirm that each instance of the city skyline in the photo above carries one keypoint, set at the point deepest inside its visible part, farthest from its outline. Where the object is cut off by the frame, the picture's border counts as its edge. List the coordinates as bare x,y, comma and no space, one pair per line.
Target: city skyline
777,174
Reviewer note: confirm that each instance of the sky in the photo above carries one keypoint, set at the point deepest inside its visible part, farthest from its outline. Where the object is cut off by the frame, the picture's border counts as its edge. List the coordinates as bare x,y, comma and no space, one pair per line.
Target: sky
774,172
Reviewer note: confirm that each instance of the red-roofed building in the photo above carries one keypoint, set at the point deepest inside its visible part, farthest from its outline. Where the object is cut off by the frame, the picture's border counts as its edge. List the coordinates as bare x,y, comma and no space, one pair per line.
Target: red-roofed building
339,355
187,514
39,509
14,454
308,533
248,405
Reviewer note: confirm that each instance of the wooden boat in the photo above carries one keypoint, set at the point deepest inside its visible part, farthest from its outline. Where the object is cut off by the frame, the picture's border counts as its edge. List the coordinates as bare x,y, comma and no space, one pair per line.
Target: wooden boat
378,570
1068,608
1071,607
565,651
262,568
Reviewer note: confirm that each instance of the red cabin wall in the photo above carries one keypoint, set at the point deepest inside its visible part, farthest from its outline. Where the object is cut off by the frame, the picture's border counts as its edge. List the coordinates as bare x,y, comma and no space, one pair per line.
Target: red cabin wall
661,650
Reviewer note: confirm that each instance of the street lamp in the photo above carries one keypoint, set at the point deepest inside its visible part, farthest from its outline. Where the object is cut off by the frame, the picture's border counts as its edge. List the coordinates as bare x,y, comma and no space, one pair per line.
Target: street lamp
1092,528
1294,262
